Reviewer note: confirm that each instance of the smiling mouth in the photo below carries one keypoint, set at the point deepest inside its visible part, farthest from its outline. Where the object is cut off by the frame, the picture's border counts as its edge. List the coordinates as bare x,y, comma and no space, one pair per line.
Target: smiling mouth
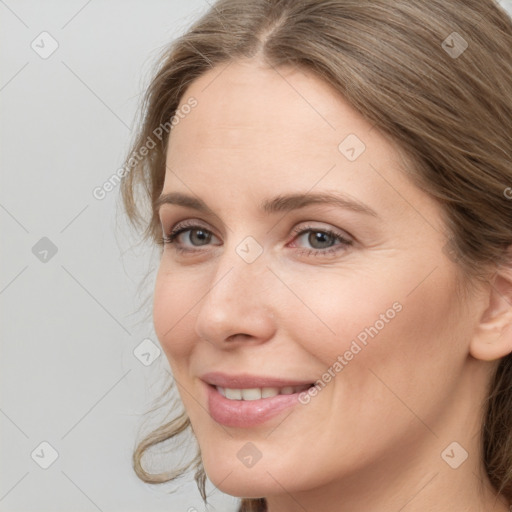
247,407
260,393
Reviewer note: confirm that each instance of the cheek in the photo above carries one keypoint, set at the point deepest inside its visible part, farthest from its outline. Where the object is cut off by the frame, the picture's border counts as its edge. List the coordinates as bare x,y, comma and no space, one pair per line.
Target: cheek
414,358
368,316
396,323
335,312
173,301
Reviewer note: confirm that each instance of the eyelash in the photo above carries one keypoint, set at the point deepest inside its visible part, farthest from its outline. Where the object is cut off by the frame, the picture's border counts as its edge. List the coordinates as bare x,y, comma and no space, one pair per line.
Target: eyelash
184,227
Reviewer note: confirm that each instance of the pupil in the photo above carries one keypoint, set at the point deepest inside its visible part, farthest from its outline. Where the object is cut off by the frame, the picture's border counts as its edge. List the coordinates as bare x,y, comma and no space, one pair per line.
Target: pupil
320,237
203,237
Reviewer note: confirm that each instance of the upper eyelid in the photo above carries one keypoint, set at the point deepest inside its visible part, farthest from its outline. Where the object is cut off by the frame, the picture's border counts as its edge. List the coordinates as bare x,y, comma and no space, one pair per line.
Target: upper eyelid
191,223
308,225
169,226
298,230
162,217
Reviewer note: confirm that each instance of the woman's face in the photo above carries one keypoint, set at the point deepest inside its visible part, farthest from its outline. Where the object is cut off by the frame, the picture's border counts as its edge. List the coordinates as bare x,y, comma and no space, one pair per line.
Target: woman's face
262,290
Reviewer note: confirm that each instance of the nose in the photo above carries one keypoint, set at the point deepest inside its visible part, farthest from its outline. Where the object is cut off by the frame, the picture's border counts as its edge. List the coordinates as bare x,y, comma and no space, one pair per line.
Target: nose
237,305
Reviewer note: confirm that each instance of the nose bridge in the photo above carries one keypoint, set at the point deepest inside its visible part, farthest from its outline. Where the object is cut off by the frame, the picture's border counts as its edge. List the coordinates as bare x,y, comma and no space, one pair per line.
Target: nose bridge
237,300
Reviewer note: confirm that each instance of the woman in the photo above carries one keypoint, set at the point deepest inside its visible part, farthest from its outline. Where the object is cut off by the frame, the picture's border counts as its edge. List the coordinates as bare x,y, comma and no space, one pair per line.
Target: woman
331,182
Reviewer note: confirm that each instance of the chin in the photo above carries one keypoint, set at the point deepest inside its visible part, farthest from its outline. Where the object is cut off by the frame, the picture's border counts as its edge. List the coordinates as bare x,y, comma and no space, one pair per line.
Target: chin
231,477
244,484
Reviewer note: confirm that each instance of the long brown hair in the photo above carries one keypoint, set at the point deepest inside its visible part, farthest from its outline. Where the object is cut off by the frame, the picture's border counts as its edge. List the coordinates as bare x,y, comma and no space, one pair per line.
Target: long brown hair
435,76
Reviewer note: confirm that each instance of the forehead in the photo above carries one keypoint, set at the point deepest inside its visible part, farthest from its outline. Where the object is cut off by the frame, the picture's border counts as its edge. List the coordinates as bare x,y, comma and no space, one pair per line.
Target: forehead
257,130
246,105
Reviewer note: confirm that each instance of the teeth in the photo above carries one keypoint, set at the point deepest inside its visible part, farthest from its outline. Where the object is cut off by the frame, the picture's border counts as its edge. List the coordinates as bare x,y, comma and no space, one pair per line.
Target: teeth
251,394
233,394
269,392
258,393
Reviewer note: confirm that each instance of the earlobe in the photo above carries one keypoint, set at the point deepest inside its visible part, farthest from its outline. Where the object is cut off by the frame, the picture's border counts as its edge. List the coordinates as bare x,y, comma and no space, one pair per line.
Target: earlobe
492,338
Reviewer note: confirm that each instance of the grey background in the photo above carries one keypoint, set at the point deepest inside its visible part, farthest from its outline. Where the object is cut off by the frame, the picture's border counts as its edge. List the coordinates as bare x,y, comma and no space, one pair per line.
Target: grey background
71,321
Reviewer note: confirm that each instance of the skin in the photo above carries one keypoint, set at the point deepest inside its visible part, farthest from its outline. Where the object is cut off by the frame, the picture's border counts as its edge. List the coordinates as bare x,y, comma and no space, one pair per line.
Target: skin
372,439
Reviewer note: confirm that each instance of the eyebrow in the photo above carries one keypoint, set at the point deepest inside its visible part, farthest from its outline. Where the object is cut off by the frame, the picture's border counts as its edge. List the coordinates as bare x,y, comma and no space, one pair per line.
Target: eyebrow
281,203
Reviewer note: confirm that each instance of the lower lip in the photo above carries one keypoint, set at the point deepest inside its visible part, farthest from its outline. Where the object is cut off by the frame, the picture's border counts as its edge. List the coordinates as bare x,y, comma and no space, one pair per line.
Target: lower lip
246,413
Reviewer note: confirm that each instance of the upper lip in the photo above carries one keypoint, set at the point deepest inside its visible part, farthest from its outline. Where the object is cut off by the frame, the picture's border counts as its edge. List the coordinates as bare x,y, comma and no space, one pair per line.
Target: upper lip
246,381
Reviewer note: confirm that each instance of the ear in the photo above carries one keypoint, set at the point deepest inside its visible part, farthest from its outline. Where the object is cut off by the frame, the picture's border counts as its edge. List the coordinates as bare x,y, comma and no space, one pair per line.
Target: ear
492,338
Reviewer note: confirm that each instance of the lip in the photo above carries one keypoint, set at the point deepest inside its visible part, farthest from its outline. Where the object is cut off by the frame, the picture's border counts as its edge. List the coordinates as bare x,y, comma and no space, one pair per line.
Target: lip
249,381
247,413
